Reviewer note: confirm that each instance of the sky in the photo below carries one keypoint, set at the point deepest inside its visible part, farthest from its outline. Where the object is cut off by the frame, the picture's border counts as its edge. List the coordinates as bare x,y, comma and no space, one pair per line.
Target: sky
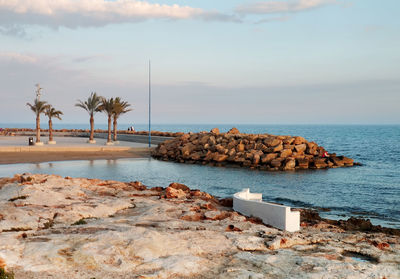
212,61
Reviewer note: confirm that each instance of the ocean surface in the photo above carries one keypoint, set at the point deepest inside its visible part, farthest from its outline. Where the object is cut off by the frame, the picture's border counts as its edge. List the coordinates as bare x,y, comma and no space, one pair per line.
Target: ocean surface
368,191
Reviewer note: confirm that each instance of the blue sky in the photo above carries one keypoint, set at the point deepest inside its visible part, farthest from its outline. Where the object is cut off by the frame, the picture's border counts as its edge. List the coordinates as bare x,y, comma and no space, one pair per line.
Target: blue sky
270,62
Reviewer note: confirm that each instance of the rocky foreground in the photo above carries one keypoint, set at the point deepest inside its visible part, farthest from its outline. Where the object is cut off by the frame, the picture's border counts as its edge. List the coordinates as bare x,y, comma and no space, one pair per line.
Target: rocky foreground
264,151
54,227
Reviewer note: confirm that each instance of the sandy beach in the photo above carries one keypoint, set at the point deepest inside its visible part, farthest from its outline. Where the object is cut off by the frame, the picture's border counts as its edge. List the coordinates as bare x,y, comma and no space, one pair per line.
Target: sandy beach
15,150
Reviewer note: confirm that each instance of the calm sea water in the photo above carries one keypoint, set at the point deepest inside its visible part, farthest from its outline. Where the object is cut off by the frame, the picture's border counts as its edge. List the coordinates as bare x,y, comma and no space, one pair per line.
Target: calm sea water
370,191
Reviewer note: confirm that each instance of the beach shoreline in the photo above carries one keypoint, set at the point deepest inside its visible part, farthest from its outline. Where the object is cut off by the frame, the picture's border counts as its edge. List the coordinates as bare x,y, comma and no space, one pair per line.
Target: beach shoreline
14,150
46,156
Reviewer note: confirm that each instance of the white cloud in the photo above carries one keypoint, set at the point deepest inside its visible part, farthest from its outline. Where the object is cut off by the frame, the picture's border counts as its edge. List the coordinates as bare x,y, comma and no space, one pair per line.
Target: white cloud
80,13
17,57
272,7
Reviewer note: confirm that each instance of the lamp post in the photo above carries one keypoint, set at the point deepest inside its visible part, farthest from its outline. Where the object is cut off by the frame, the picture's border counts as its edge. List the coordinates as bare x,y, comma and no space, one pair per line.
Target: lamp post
149,103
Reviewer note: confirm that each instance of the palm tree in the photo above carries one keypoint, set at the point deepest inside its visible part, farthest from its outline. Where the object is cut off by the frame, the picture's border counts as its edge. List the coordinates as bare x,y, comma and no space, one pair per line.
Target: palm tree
107,106
50,113
38,108
120,107
91,106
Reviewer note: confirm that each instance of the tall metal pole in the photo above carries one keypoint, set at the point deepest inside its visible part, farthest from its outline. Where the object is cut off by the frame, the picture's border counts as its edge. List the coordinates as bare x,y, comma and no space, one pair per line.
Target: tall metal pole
149,103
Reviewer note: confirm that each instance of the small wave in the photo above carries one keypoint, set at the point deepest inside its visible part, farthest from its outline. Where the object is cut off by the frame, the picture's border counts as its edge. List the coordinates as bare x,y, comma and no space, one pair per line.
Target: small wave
293,202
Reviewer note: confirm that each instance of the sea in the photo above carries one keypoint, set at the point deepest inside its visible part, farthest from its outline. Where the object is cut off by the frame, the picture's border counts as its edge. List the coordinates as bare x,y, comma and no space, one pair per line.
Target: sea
370,191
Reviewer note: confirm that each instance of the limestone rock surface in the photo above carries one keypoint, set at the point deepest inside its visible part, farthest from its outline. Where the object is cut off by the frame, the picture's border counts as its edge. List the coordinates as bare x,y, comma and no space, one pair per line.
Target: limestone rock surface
54,227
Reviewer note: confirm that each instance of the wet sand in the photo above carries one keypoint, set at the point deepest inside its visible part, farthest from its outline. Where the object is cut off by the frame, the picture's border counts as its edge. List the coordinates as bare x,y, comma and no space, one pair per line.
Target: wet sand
14,150
40,156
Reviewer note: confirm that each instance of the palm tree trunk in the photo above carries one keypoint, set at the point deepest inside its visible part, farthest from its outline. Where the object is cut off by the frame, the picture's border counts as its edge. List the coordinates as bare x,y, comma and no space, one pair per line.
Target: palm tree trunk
38,128
115,128
50,130
109,129
91,127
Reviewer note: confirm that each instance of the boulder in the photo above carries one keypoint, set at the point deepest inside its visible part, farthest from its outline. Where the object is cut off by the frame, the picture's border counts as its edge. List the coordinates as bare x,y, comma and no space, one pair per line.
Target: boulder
220,148
320,163
272,141
288,140
300,148
211,140
240,147
231,144
268,157
276,162
285,153
220,157
348,161
256,159
337,161
299,140
185,137
214,131
162,150
196,156
179,186
172,193
277,148
187,149
290,164
204,139
303,163
233,131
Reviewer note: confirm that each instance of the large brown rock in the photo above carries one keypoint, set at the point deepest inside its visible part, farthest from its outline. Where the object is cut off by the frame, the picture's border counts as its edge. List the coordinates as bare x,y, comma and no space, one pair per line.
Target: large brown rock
268,157
233,131
299,140
240,147
195,156
290,164
272,141
348,161
300,148
277,148
231,144
337,161
285,153
288,140
221,149
214,131
162,150
303,163
311,148
256,159
212,141
185,137
179,186
320,163
276,162
204,139
220,157
172,193
187,149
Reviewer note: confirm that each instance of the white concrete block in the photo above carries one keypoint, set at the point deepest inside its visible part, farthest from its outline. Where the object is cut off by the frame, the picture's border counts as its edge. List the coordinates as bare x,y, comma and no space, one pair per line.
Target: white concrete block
276,215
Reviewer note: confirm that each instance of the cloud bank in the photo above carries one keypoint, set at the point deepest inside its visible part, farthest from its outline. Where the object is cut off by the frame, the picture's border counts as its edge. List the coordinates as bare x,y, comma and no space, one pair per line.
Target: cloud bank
86,13
273,7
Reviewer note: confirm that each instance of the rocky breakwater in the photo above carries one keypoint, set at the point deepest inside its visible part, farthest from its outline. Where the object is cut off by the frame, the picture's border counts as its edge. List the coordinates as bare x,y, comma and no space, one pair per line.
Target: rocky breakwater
262,151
